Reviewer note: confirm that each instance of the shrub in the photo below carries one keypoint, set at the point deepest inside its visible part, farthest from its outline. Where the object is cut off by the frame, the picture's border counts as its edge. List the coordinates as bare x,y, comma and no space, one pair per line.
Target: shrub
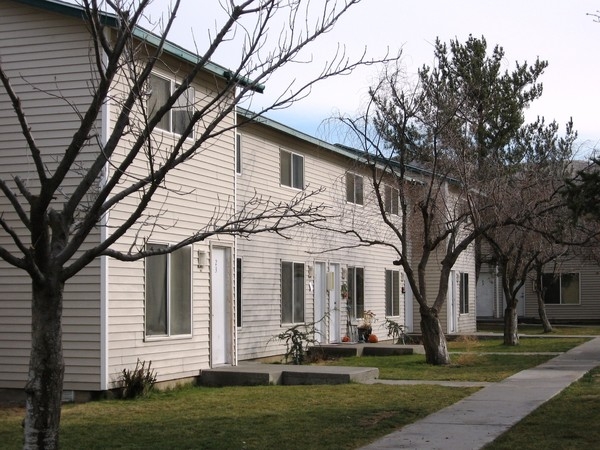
137,382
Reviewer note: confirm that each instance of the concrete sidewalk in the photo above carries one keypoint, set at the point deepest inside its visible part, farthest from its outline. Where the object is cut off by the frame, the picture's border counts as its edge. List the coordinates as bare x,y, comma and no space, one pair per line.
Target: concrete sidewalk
479,419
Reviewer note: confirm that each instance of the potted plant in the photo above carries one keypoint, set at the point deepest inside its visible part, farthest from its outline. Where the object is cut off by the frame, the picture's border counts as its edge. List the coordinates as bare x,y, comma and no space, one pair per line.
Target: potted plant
365,327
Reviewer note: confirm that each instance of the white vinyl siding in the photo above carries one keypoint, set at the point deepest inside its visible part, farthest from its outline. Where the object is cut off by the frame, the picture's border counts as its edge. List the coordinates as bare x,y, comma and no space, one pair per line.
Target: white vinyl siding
46,56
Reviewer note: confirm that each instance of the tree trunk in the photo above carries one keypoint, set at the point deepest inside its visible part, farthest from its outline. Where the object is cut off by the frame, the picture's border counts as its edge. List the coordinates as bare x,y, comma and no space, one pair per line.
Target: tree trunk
46,367
542,312
434,340
511,334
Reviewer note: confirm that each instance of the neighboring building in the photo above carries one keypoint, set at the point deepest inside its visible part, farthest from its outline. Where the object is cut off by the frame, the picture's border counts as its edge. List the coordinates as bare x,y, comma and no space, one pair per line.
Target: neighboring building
572,295
229,297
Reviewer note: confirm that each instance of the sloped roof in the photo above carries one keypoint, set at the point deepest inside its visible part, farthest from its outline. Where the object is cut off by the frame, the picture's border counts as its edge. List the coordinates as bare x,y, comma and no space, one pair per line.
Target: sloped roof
111,20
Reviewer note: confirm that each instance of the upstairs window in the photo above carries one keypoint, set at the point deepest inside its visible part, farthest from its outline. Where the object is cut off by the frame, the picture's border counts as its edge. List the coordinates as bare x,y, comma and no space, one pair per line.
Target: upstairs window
180,115
354,188
291,169
169,293
561,289
390,199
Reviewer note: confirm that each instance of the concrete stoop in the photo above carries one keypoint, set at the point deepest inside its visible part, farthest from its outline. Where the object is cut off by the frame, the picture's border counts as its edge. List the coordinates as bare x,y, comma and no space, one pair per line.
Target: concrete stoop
356,349
266,374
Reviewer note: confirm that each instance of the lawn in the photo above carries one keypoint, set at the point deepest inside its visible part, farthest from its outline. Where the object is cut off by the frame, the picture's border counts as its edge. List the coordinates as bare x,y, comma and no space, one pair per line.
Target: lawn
558,330
480,363
526,345
265,417
472,367
568,421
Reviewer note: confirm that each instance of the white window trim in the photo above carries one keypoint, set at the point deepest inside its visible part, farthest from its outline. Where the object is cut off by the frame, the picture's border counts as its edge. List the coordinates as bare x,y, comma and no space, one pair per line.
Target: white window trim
294,263
355,175
169,336
292,154
172,87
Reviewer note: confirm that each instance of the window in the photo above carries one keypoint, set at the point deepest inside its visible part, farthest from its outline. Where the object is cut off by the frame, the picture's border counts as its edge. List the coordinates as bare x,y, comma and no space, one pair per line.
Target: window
169,293
562,289
180,115
391,200
292,169
392,293
238,290
356,291
238,153
354,188
292,292
464,293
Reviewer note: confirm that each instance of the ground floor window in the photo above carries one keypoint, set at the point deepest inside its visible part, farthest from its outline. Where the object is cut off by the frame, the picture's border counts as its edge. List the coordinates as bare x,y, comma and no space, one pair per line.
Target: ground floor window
356,292
292,292
168,289
464,292
392,293
561,289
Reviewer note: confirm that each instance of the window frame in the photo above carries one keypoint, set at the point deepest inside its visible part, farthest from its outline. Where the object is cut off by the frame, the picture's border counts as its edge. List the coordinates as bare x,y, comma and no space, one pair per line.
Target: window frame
189,93
391,200
238,153
558,282
297,299
392,286
171,276
356,292
352,190
291,175
239,268
463,292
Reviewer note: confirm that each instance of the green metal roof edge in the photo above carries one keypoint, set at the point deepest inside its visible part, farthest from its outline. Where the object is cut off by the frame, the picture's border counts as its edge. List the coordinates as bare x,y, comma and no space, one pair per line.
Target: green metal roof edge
340,149
111,20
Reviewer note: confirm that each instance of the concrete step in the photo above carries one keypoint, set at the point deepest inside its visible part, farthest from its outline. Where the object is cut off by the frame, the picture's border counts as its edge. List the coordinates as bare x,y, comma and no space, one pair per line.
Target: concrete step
356,349
265,374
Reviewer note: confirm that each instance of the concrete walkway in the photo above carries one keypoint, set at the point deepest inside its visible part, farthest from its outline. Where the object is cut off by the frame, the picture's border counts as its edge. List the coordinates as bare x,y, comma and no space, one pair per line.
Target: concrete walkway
479,419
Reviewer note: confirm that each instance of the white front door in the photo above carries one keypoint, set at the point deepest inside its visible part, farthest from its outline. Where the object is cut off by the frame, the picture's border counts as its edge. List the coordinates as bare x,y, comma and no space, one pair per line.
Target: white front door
334,303
320,302
221,339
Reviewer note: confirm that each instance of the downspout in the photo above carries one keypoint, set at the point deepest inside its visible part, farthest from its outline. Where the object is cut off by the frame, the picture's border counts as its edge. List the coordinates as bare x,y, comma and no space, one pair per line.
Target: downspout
233,263
104,262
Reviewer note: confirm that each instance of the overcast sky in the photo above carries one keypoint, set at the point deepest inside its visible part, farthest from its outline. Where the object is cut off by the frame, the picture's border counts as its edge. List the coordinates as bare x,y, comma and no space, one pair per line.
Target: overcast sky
558,31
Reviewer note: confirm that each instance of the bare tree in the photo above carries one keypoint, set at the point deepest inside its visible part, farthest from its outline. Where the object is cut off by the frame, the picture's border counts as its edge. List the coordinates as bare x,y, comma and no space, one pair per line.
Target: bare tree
448,133
533,214
55,216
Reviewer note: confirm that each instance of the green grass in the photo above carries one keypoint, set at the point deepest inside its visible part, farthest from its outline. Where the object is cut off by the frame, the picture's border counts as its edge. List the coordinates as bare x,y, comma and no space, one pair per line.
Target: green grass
479,364
568,421
473,368
268,417
558,330
526,345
